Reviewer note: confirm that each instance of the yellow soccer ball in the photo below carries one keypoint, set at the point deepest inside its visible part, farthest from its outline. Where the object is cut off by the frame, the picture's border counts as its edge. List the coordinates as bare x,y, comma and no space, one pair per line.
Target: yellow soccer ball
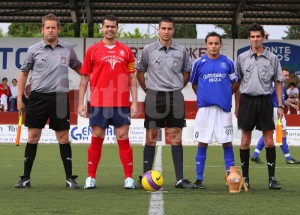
152,181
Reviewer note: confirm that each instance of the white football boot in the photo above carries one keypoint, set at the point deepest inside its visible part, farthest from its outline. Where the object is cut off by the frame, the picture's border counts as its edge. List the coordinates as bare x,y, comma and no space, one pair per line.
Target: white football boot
129,183
90,183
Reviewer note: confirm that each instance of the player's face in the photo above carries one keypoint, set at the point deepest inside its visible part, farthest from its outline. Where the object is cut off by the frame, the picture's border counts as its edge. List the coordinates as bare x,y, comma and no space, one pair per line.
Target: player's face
50,31
109,29
166,31
286,75
256,39
213,46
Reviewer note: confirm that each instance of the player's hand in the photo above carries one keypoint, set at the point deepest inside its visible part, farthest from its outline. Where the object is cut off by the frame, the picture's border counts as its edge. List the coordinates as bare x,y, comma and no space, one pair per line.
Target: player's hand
236,112
279,113
294,106
133,110
20,106
81,110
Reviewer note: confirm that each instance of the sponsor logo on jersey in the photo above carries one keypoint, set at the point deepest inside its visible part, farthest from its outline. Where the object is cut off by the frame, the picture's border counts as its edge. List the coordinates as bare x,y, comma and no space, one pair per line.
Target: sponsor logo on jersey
112,62
214,77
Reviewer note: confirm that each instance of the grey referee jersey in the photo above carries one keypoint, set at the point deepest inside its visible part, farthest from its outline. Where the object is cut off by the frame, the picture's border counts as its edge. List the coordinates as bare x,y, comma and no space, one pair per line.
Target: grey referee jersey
164,67
258,73
49,67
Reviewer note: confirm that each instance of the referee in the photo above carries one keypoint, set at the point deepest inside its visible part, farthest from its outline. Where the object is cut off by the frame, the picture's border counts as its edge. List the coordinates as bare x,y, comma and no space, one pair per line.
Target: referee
258,69
163,71
48,61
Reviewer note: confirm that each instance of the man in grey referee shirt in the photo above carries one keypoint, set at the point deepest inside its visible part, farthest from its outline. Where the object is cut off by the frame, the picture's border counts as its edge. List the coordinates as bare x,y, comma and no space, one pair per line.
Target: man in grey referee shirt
48,63
163,71
258,68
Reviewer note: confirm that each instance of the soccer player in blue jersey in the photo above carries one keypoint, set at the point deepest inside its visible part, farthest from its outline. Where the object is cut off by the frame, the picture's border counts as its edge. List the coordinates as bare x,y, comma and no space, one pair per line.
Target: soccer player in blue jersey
284,147
213,80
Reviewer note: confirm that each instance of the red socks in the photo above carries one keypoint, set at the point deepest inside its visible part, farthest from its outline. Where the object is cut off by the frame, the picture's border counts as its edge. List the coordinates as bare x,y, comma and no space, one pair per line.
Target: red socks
94,155
126,157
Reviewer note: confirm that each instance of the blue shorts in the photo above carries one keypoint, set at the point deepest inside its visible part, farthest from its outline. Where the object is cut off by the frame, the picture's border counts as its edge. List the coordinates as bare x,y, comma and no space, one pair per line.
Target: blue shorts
105,116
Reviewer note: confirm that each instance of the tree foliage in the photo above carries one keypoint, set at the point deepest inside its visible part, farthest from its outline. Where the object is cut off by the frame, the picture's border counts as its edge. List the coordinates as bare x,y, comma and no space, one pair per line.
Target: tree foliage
67,30
293,32
242,31
34,30
185,31
136,34
182,31
24,30
84,31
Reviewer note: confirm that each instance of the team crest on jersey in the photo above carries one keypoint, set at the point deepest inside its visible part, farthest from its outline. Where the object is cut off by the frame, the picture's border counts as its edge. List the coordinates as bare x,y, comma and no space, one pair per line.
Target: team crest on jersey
122,53
223,65
175,63
63,60
263,72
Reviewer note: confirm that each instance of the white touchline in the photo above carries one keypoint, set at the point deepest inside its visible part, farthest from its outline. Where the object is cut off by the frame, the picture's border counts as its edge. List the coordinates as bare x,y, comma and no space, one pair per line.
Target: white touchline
156,201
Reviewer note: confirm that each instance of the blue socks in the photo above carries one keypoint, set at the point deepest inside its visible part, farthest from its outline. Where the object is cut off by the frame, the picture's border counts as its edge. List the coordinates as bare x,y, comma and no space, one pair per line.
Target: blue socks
228,157
201,159
260,145
285,149
200,162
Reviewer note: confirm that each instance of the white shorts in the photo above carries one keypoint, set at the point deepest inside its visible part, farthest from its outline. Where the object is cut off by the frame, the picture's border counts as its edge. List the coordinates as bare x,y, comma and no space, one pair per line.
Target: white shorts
212,123
283,120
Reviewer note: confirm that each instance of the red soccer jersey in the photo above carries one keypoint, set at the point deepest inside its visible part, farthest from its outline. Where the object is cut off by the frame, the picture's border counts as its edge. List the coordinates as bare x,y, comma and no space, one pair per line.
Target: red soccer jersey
5,90
109,68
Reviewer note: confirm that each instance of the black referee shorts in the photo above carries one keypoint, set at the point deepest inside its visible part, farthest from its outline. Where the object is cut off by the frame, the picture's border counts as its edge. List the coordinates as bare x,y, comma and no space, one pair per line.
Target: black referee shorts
256,111
44,106
164,109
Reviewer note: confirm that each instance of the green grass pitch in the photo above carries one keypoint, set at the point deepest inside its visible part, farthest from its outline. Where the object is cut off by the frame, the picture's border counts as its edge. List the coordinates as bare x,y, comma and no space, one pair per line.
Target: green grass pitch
48,194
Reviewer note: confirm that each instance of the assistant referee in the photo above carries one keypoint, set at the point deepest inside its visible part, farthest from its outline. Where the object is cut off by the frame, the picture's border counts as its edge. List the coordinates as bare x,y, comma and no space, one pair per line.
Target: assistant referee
48,61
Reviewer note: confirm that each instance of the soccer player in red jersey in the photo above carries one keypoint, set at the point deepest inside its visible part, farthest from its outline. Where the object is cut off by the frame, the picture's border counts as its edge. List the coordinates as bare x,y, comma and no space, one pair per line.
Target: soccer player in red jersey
109,67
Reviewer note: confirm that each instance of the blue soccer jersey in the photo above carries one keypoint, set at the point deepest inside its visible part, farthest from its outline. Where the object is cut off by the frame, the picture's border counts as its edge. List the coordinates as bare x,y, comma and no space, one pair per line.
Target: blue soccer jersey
274,97
214,78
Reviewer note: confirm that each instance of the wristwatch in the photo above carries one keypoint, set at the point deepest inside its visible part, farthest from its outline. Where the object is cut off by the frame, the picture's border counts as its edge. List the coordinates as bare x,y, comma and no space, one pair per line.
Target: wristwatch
280,106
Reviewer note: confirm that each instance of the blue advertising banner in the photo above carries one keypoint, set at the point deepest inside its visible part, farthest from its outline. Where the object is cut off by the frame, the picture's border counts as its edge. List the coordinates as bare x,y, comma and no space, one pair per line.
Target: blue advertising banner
287,53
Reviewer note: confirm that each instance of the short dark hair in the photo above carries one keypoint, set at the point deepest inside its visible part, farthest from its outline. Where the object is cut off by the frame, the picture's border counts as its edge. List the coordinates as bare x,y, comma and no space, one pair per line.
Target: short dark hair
284,68
14,80
167,19
292,84
51,17
256,27
213,34
110,17
4,79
